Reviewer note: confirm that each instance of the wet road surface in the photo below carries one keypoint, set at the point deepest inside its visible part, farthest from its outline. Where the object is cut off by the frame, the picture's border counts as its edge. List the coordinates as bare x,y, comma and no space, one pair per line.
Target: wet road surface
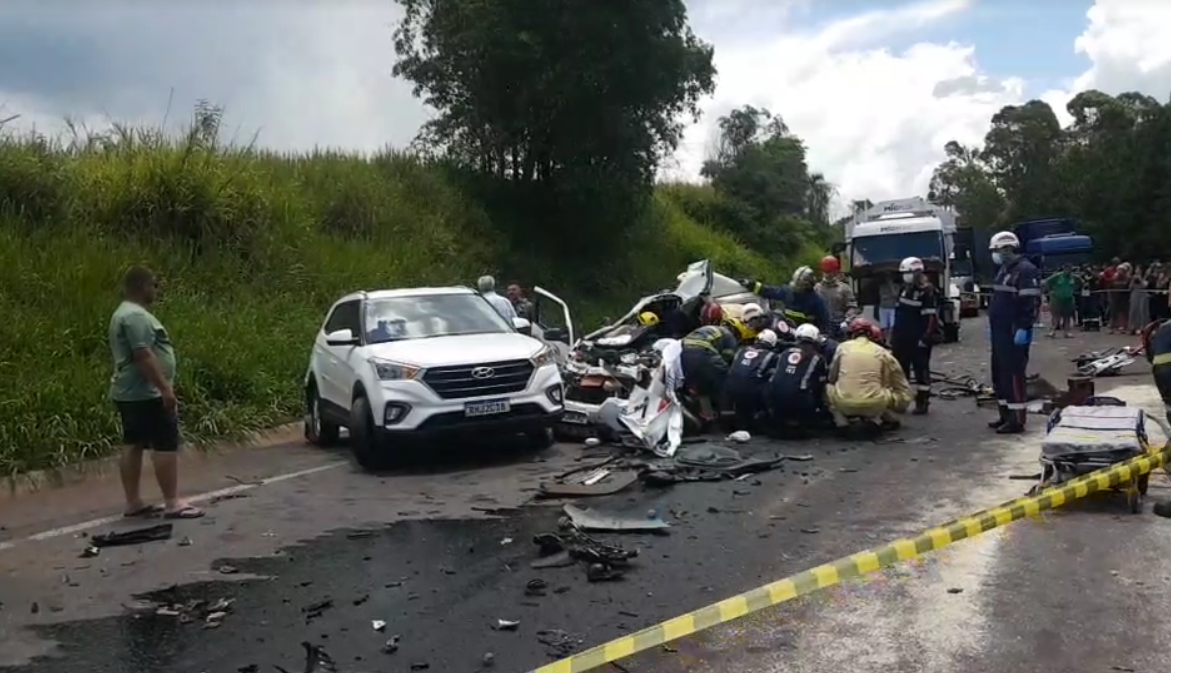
1021,598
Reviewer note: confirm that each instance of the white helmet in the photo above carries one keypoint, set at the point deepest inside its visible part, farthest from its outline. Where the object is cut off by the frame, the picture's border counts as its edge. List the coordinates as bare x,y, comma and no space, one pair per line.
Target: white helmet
1004,239
766,337
911,264
751,311
808,332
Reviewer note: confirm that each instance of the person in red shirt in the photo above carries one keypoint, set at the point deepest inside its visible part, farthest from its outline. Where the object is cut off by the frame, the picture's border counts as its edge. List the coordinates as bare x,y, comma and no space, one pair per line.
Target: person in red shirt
1107,276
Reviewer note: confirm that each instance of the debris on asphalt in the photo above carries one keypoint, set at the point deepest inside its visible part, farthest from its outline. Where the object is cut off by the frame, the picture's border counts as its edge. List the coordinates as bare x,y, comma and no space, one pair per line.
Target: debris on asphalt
378,625
506,541
955,590
35,608
507,625
224,498
705,462
89,553
139,536
536,587
611,482
596,521
420,666
740,436
496,511
317,609
359,534
559,643
570,544
390,647
799,458
487,659
185,542
227,570
317,659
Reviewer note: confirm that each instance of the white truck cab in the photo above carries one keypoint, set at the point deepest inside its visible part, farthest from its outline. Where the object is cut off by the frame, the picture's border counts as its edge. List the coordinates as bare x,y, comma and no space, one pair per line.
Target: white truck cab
883,235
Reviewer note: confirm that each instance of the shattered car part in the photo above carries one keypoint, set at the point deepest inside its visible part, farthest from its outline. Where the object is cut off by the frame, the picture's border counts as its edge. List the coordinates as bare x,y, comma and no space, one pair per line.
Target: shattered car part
617,481
1107,363
706,462
156,533
607,362
593,520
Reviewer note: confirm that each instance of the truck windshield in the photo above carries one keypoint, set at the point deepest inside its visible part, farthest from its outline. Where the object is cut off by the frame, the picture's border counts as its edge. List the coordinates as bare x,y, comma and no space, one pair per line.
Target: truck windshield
891,248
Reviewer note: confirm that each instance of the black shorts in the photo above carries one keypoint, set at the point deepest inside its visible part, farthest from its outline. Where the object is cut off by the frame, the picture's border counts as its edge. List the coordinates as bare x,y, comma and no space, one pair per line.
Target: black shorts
148,424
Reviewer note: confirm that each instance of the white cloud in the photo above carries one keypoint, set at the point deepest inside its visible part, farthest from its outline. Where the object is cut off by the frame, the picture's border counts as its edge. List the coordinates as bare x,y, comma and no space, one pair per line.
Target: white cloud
876,119
316,74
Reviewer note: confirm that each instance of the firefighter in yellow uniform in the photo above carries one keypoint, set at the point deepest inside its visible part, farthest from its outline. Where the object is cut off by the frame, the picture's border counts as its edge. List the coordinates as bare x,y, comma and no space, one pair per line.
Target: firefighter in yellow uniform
866,381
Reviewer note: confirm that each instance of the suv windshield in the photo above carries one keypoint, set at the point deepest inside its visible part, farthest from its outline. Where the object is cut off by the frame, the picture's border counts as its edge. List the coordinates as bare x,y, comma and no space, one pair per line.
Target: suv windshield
405,318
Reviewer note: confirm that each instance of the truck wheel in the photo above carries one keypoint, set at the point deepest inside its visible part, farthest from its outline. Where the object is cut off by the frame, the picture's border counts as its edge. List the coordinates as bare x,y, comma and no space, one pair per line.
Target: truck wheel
316,430
362,437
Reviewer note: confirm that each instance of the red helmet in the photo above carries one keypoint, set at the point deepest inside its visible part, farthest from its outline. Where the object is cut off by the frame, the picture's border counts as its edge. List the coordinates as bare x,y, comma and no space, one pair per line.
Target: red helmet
861,327
712,313
830,264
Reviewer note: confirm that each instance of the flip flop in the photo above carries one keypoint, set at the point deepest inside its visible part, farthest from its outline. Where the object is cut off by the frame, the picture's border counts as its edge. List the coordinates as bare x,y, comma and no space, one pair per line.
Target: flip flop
185,513
146,510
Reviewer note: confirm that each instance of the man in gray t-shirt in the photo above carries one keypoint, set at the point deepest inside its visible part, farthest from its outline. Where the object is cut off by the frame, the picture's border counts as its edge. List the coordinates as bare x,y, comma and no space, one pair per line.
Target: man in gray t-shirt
889,296
144,366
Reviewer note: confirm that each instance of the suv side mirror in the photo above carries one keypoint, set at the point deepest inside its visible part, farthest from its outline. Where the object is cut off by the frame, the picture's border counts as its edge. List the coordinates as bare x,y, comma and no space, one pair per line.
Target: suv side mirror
522,325
341,338
555,335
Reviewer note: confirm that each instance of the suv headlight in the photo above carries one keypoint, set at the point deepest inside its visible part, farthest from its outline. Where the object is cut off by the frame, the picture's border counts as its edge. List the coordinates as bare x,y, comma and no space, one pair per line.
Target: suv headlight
392,370
545,356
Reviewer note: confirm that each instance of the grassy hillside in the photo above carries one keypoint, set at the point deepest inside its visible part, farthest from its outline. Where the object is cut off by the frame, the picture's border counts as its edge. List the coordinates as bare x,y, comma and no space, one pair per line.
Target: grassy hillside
252,247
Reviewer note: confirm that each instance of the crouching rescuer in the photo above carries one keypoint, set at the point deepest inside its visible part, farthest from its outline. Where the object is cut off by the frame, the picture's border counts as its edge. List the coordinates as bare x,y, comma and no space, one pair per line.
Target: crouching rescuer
706,359
1014,309
748,375
866,381
796,391
917,328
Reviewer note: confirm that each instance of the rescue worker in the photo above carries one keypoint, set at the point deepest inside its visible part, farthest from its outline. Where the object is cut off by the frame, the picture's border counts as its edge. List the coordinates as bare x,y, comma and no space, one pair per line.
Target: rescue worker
866,381
796,391
1163,342
838,294
747,377
800,298
1014,310
706,359
916,328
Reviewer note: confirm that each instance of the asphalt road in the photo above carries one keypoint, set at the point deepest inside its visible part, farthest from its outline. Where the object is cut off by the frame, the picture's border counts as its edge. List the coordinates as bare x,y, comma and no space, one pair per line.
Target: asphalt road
1086,589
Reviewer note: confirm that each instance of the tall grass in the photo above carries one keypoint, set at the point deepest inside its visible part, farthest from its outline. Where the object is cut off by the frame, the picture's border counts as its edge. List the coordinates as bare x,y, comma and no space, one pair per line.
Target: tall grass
252,247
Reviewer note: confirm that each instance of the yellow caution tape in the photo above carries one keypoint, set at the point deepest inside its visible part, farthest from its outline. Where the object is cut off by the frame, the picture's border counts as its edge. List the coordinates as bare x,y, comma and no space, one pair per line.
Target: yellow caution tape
863,563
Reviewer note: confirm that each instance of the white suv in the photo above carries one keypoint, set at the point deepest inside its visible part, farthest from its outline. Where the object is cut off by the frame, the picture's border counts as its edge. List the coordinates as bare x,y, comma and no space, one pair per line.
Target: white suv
421,363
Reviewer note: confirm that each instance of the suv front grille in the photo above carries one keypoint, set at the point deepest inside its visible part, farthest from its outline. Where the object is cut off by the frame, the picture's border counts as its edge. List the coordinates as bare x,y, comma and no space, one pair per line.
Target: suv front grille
459,382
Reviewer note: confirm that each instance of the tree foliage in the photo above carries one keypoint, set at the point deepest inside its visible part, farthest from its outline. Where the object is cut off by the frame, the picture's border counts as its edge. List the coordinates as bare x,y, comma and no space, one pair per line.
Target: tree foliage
1109,168
771,198
556,92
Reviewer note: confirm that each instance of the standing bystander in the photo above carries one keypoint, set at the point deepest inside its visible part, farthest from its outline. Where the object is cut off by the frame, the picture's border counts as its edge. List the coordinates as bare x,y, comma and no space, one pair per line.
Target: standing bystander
145,367
521,304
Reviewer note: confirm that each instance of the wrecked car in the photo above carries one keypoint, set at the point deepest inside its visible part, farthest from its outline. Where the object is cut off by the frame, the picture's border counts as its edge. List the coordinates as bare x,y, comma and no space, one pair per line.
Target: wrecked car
609,362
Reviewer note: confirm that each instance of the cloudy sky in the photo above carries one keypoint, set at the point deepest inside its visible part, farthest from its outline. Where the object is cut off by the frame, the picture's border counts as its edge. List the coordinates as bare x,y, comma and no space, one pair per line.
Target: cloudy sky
874,88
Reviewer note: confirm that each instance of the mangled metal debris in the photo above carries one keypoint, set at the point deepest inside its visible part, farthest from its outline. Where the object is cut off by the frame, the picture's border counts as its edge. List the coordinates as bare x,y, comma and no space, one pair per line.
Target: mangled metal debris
596,521
139,536
570,545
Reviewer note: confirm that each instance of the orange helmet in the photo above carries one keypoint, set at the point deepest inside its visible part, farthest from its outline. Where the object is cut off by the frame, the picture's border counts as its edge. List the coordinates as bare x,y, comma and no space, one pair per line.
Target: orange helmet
861,327
830,264
712,313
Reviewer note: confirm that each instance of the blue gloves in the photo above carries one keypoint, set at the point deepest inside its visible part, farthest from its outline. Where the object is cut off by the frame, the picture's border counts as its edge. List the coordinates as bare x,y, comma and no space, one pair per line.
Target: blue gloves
1022,338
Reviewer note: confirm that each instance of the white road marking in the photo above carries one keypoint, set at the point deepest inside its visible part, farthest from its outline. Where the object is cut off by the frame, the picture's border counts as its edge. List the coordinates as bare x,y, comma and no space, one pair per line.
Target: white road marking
204,497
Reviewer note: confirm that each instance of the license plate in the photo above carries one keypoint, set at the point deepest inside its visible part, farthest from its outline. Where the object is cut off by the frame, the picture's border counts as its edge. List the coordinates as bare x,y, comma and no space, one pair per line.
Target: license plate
481,408
575,418
593,382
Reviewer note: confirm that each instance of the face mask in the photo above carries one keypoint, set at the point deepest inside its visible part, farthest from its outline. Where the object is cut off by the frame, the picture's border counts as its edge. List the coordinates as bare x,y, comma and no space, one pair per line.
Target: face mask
997,257
909,277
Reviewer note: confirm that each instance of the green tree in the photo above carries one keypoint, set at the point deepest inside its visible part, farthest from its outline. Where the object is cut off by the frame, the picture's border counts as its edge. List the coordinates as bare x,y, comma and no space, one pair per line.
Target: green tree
774,202
567,91
1109,169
